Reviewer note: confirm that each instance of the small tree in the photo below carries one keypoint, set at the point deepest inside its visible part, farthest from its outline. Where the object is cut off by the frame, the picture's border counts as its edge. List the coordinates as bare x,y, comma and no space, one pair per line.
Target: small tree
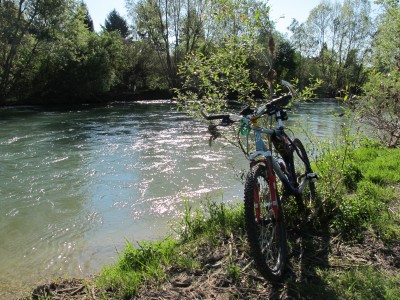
209,79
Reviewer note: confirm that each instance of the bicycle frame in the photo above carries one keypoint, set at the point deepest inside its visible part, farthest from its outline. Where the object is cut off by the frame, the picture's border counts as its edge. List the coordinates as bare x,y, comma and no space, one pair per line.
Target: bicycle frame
263,153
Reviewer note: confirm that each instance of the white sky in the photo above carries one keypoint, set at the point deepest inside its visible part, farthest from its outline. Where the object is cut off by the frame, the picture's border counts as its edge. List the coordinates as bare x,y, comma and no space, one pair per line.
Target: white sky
282,11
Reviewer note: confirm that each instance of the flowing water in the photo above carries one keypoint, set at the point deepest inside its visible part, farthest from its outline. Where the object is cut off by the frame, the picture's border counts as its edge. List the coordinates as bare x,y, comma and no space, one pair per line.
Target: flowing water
76,184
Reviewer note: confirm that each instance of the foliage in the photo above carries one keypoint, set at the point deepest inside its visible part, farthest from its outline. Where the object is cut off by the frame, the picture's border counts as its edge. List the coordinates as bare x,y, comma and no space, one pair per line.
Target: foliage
229,70
380,106
80,65
114,22
208,81
334,43
88,21
49,51
24,33
165,25
386,50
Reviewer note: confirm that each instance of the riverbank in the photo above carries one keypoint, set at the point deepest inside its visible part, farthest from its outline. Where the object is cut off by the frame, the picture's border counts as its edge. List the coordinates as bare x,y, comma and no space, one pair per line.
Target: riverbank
352,270
92,99
350,251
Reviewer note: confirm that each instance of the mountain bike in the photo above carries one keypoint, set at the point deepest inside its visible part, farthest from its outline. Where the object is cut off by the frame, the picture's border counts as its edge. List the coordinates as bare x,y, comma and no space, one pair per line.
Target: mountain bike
279,168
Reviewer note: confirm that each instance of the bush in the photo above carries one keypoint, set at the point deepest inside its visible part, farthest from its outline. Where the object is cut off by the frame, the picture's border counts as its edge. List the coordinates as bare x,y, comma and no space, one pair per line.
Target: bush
351,176
380,106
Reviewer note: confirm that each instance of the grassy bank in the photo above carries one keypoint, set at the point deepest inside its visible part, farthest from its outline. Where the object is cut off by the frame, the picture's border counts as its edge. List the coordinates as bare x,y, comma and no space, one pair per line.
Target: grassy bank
348,249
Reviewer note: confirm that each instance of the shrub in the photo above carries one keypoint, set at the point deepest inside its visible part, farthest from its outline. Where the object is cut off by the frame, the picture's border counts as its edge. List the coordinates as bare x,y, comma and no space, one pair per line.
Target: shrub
380,106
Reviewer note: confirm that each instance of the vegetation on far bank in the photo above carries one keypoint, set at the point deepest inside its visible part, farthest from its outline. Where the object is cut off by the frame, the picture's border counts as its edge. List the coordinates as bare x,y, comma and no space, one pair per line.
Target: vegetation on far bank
51,52
348,250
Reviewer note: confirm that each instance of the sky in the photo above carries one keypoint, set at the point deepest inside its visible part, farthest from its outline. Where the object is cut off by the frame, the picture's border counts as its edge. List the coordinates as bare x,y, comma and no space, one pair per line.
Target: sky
282,11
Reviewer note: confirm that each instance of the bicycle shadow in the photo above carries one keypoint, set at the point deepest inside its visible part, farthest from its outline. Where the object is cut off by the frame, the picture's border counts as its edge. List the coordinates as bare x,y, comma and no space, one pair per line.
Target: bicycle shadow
308,258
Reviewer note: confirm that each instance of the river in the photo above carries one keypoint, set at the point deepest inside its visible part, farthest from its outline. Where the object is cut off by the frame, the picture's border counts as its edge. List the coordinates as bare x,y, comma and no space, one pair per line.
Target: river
77,183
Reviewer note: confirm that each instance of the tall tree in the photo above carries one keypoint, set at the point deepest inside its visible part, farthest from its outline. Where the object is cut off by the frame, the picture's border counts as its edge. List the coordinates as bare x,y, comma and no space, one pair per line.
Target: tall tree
160,22
176,27
209,79
192,29
47,51
24,30
340,36
386,50
88,19
380,102
114,22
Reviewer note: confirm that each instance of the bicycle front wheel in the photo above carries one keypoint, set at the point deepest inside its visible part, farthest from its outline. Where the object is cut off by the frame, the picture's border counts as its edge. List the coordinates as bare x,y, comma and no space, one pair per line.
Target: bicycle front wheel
264,222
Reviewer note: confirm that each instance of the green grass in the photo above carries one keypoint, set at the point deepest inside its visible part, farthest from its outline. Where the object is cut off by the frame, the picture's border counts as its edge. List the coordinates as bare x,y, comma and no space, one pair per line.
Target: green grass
209,220
380,165
357,189
148,261
138,264
363,283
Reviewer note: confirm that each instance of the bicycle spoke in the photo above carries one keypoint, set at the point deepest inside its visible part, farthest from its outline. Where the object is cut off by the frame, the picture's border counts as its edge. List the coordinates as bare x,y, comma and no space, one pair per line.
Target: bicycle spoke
268,246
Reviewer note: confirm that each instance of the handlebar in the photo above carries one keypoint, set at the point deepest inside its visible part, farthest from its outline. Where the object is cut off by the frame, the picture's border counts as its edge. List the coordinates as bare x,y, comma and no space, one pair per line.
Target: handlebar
270,108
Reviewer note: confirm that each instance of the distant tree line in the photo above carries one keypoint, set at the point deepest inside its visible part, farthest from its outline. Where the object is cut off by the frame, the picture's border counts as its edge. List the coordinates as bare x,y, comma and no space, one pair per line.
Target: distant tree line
50,53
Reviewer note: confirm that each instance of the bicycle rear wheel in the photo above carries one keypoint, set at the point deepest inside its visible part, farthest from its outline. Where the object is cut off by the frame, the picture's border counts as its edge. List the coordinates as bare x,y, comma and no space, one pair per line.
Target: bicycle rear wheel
302,167
264,222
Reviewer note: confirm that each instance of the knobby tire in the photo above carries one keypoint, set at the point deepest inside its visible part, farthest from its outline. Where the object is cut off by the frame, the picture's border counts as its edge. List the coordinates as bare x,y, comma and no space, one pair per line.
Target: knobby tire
267,235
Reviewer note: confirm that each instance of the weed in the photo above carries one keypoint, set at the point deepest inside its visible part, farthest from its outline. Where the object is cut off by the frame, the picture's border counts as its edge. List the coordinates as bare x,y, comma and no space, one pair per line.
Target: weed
233,271
211,220
138,264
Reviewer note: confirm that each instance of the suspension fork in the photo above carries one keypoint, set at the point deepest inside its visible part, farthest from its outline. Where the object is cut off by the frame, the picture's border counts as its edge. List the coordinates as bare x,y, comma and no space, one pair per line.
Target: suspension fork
256,196
272,189
257,204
